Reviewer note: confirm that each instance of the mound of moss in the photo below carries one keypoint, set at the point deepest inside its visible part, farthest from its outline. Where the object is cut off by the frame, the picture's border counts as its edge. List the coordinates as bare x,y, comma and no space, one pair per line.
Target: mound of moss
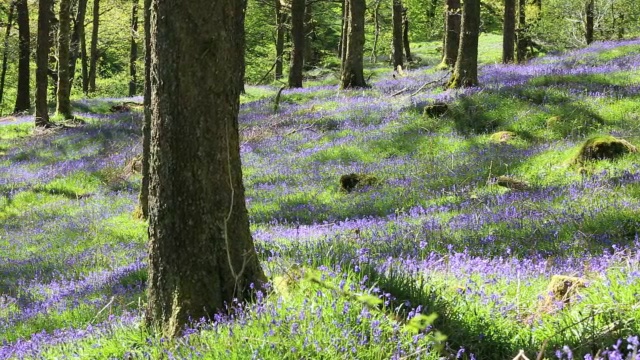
502,136
352,181
603,147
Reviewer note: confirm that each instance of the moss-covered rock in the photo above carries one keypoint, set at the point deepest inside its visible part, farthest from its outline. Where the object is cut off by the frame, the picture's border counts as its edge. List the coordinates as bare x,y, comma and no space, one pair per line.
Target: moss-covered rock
603,147
502,136
352,181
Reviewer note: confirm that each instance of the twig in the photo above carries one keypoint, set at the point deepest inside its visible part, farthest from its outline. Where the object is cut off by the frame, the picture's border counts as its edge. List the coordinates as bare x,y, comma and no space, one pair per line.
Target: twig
429,83
103,309
270,70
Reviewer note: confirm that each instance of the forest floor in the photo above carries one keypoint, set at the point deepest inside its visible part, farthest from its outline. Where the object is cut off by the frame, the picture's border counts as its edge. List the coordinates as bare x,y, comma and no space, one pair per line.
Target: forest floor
480,211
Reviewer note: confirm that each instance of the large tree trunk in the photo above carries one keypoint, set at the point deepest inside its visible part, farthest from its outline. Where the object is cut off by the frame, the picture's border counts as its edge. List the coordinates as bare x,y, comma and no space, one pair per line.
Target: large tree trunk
588,35
77,36
452,33
201,254
465,72
398,55
93,62
42,63
146,125
522,42
23,99
509,31
281,21
405,34
133,51
352,67
297,40
5,53
63,107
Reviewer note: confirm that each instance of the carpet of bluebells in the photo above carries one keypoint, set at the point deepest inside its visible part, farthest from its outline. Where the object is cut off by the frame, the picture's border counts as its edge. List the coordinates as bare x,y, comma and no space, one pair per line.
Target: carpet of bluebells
354,274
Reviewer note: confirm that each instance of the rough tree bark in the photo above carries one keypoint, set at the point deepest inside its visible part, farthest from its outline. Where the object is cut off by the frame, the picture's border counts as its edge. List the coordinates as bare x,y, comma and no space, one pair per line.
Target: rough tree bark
201,254
465,72
5,52
352,65
297,43
146,125
521,33
133,49
509,32
590,14
93,60
452,33
42,62
405,35
23,98
63,104
281,28
398,55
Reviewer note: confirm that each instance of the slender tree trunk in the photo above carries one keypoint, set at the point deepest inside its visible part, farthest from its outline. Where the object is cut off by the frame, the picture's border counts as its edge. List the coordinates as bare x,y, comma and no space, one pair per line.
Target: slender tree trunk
298,43
5,52
405,35
146,125
310,54
352,68
84,60
398,55
345,28
281,21
589,23
522,42
63,107
376,21
23,99
509,31
93,62
76,35
201,254
465,72
133,52
452,33
42,63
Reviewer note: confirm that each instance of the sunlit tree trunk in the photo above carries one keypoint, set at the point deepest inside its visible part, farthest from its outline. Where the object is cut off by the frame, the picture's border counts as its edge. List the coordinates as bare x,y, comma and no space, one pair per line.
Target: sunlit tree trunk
133,49
201,254
398,55
281,27
590,13
405,35
452,33
5,52
77,39
23,98
63,104
465,72
376,35
298,43
42,63
146,125
522,42
93,60
509,31
352,65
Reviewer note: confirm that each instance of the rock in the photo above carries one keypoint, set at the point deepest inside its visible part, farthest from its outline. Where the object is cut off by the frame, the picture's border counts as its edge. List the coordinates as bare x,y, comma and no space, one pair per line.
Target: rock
603,147
502,136
352,181
512,183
